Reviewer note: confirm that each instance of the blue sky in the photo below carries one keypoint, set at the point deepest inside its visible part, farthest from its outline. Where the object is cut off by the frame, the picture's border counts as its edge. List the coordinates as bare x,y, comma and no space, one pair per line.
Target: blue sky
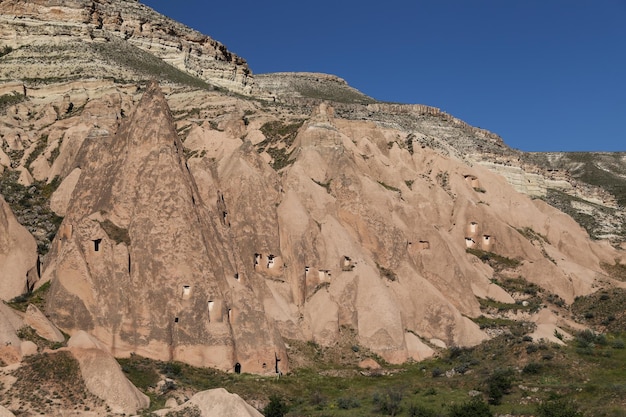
546,75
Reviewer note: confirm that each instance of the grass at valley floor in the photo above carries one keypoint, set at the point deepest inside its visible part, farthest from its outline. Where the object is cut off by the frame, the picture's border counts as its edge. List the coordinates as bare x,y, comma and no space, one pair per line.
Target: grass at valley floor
513,373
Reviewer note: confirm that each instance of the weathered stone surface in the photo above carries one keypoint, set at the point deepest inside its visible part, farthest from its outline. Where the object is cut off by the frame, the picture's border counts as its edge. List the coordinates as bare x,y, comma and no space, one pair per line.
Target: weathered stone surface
18,254
28,348
104,378
141,263
82,29
5,413
40,323
10,323
215,403
213,260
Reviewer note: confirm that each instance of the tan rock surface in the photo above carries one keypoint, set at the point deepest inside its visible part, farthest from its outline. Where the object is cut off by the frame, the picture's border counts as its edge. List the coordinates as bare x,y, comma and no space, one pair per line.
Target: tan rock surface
104,378
354,232
10,323
216,403
5,413
166,256
40,323
18,254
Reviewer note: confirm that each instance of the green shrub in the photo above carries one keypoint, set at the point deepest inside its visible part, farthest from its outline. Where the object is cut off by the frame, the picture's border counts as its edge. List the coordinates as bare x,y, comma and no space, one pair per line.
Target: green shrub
275,408
474,408
498,384
532,368
388,402
416,410
558,408
348,403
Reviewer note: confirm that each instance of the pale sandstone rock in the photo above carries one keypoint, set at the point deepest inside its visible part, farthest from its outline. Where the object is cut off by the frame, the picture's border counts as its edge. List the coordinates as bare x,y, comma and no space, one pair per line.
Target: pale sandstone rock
61,196
5,161
40,323
28,348
10,323
25,178
104,378
83,340
5,413
18,254
369,363
216,403
171,403
152,226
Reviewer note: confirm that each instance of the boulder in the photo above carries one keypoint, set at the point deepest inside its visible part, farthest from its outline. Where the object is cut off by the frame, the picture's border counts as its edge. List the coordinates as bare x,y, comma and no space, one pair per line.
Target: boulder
104,377
40,323
215,403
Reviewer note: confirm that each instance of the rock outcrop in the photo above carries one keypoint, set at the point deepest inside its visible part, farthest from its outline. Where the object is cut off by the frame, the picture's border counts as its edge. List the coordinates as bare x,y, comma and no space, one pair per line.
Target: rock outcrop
80,26
214,260
104,378
145,266
18,254
214,403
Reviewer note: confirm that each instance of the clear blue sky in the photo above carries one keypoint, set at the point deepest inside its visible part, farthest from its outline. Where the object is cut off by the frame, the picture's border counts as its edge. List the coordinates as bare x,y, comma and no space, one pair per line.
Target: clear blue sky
546,75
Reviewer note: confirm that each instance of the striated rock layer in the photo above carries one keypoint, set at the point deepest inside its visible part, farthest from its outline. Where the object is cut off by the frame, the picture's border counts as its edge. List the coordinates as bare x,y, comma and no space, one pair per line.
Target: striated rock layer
51,35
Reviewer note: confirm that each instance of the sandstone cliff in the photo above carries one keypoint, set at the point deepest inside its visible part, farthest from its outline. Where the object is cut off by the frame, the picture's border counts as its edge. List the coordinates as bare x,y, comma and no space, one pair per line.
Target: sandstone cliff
145,266
218,231
216,259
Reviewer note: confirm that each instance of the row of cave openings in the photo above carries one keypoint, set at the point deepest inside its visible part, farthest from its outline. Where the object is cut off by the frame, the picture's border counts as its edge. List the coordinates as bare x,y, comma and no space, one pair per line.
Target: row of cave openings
216,309
474,240
270,261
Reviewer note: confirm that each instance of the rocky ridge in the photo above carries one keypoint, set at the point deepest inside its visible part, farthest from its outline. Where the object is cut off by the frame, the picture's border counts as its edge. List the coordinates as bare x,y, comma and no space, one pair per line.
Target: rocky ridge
110,28
279,219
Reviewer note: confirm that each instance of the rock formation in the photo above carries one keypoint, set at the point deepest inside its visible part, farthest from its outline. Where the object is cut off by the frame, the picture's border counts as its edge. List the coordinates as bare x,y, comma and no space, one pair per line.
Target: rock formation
215,260
104,378
18,254
81,25
145,266
215,232
214,403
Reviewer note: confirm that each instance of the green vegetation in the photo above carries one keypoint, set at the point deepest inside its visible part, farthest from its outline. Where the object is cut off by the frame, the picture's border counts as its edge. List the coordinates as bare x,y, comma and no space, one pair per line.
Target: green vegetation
39,148
37,298
275,408
326,185
8,100
5,50
604,310
49,380
279,137
389,187
387,273
28,333
516,375
115,233
31,206
497,262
